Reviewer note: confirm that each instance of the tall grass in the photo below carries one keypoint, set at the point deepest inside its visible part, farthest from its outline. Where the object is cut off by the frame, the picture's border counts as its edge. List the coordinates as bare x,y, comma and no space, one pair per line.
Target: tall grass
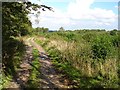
93,54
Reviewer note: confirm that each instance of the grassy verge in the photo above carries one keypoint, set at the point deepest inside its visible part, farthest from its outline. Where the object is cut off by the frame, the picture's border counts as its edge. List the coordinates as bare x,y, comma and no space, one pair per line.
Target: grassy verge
34,79
65,68
77,76
77,63
12,64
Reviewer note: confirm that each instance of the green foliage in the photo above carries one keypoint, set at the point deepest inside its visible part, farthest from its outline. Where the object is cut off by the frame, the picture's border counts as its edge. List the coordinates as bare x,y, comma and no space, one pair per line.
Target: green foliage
113,32
14,19
86,56
54,53
102,47
4,81
34,79
11,60
15,23
35,53
116,41
61,29
70,71
12,49
64,67
70,36
89,36
39,30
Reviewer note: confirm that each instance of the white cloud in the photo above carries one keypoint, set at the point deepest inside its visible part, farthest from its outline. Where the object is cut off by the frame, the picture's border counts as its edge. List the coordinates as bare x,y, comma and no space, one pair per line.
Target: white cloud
81,10
103,16
55,17
77,10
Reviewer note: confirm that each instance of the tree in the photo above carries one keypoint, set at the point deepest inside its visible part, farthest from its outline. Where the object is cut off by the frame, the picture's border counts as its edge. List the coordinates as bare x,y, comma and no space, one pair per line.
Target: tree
61,29
41,30
15,22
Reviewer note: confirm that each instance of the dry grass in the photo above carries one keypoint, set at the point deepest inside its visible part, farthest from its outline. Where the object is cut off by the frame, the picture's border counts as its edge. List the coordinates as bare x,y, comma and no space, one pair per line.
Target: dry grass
79,55
88,66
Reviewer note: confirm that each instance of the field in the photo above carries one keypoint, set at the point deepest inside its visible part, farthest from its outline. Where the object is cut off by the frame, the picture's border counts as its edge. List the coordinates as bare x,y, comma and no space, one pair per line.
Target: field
89,57
40,58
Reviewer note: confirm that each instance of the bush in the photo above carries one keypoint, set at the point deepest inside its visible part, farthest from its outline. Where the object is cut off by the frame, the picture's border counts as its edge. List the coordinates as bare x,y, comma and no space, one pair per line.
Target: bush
88,37
113,32
102,47
54,53
115,41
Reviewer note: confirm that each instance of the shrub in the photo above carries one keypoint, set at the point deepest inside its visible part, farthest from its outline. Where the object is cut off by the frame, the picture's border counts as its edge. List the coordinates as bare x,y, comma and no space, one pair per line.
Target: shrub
113,32
102,47
115,41
88,37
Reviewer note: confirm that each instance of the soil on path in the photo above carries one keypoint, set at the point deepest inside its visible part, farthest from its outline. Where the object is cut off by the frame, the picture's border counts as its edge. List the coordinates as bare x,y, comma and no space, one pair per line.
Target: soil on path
49,77
23,72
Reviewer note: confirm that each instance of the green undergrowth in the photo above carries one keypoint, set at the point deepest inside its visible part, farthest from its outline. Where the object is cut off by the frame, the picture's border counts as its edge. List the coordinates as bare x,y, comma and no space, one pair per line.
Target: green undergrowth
88,58
65,68
39,42
15,49
34,79
76,75
70,72
5,81
42,43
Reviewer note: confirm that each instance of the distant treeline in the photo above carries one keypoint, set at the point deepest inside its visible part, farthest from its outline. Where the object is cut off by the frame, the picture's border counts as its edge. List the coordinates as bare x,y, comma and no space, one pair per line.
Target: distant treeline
61,29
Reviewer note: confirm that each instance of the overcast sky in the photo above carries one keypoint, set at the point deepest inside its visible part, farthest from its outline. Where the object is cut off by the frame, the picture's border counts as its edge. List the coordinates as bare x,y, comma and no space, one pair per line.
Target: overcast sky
78,14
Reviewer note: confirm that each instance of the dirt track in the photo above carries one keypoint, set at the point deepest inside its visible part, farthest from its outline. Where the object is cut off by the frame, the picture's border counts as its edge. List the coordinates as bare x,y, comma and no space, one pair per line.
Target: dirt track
49,77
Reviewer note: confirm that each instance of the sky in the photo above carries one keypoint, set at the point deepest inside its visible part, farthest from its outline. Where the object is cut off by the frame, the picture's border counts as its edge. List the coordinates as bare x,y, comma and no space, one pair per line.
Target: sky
78,14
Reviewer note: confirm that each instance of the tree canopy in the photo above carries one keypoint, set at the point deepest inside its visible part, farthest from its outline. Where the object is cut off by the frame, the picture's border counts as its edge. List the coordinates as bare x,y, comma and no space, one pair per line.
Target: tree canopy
15,22
61,29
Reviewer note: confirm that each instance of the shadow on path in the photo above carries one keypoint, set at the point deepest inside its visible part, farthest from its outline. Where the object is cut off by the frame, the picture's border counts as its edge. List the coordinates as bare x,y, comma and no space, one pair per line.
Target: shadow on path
49,77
